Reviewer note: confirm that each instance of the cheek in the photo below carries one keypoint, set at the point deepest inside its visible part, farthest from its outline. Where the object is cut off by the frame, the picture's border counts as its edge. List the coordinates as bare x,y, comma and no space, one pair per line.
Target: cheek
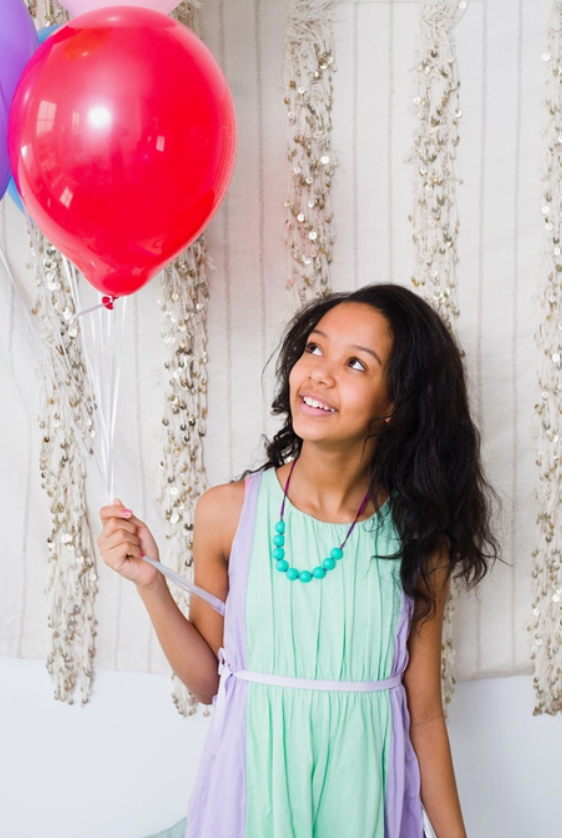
297,375
292,378
363,401
293,385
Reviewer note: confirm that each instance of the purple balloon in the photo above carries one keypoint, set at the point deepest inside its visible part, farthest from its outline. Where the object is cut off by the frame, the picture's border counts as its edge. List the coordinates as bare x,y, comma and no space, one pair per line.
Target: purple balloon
5,173
18,42
12,190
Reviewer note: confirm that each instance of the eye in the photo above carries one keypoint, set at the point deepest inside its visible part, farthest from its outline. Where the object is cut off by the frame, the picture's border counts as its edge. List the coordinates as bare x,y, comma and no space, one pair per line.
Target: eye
310,346
357,361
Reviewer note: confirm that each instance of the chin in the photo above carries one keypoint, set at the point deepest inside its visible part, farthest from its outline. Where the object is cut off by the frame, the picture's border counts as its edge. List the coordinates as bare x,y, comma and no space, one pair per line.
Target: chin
305,432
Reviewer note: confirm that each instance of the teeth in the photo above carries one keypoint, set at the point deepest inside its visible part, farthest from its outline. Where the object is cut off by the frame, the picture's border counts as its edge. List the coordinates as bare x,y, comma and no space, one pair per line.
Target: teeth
313,403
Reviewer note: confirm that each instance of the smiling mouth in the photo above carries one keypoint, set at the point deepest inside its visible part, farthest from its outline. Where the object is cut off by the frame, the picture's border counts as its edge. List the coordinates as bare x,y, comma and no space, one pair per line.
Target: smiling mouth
312,407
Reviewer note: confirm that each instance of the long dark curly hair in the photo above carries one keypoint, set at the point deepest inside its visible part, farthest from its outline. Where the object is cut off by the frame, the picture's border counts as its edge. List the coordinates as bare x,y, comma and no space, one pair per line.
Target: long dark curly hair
428,456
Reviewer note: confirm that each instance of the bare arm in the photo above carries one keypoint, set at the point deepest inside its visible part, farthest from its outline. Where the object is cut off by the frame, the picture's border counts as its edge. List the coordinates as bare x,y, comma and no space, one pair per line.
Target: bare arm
187,651
190,645
428,730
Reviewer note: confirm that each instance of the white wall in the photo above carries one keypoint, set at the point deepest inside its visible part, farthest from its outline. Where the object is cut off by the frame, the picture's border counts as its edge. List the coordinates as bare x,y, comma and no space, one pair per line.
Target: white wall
498,271
124,766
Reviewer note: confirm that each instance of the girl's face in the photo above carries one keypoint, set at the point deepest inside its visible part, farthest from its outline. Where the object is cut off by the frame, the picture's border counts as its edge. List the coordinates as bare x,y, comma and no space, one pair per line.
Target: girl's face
338,385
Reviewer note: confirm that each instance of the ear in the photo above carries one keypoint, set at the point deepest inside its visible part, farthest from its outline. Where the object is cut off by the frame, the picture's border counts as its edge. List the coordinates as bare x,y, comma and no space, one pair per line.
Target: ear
390,412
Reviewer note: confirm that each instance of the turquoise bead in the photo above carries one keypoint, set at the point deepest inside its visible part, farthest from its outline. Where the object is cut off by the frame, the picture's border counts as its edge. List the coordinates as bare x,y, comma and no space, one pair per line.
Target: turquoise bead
278,552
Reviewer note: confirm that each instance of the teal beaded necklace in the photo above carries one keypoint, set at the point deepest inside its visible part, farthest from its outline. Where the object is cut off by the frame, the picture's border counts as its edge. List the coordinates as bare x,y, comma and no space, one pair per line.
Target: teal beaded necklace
278,553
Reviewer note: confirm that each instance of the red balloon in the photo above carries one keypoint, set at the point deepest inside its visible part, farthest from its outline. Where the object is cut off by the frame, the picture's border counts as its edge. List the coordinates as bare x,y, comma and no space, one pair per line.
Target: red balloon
122,142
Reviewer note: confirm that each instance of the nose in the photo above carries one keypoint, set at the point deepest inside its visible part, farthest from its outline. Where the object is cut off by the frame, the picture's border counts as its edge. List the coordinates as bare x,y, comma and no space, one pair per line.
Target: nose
322,373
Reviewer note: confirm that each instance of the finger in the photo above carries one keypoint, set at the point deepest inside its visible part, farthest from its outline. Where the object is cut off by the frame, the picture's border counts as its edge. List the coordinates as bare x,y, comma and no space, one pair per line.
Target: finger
117,556
136,521
132,518
107,512
126,538
119,524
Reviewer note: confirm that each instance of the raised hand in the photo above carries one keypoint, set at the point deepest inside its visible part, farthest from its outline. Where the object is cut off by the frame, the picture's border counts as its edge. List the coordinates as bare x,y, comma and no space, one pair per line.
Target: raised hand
123,541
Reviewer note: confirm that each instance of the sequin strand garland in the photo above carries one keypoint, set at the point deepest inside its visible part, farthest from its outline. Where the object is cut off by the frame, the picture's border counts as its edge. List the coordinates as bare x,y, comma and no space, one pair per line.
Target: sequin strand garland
67,410
187,13
437,112
184,297
546,621
46,12
67,413
307,82
434,215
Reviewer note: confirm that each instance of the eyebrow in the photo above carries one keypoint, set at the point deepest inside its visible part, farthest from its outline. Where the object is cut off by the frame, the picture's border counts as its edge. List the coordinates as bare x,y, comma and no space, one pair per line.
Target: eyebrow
353,345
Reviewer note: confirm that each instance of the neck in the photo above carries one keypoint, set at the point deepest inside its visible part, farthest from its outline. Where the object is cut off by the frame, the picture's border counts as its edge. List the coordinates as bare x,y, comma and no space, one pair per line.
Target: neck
331,483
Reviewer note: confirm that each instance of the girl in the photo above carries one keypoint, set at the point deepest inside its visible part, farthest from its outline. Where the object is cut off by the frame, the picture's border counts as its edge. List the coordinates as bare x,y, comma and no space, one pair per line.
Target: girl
336,557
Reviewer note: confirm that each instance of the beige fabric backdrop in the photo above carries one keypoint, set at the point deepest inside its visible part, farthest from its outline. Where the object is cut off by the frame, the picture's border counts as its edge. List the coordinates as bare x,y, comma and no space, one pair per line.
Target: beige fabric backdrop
500,43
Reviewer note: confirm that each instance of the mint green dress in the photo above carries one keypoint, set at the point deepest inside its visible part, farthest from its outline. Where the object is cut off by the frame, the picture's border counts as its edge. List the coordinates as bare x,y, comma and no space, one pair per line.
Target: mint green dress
290,762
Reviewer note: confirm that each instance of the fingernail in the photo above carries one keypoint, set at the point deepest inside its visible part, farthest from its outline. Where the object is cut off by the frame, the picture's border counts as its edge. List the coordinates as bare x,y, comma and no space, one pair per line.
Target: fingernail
142,555
126,512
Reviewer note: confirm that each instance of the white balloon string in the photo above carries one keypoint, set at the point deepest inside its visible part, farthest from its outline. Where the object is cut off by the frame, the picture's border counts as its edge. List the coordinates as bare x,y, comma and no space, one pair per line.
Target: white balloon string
94,372
107,388
88,310
98,342
186,585
111,384
118,326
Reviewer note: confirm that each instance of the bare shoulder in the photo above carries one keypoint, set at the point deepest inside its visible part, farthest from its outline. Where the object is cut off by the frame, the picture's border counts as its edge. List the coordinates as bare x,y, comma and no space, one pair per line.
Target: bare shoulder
217,515
216,519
